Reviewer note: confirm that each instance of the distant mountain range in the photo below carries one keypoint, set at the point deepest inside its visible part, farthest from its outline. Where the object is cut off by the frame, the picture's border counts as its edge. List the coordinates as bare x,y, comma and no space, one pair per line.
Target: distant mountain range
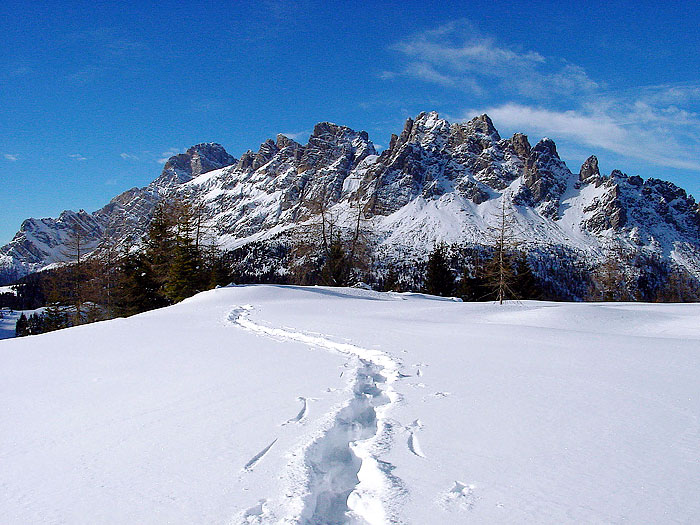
436,181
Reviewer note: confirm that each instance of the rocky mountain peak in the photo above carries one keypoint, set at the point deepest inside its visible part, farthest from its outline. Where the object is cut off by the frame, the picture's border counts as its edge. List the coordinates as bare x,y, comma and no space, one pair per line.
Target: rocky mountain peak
589,170
200,158
431,165
428,130
521,146
285,142
482,125
335,133
546,146
267,151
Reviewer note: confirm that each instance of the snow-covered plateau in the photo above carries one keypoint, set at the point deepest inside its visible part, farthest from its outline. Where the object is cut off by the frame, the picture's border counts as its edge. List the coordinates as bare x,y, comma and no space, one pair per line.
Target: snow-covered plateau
274,404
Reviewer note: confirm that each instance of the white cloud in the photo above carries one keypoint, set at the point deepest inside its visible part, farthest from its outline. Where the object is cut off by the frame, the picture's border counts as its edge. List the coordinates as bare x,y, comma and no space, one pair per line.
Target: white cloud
165,156
552,96
11,157
77,156
296,135
632,130
127,156
456,55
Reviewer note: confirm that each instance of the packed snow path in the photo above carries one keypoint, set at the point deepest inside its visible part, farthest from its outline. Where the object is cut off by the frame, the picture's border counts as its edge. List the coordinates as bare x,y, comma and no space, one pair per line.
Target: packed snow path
345,453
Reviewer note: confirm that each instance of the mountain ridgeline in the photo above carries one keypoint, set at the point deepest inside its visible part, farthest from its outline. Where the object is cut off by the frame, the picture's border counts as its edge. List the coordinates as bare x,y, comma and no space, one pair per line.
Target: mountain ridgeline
437,182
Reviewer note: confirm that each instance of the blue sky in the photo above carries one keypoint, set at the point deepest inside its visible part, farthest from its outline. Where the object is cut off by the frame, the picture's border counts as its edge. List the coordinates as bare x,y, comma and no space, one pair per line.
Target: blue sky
94,96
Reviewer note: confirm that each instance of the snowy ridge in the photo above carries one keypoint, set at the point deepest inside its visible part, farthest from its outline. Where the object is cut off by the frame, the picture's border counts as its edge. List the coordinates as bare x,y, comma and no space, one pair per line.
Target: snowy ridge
436,181
345,482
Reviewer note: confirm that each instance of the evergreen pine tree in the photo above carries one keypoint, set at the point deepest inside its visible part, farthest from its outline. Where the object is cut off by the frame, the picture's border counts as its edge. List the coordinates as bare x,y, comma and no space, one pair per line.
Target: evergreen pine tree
35,324
524,284
391,281
438,278
54,318
22,326
335,270
159,244
180,284
472,287
136,288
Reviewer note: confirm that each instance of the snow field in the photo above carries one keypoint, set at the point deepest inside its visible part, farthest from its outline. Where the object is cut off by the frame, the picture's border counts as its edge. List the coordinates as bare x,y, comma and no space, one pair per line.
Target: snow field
271,404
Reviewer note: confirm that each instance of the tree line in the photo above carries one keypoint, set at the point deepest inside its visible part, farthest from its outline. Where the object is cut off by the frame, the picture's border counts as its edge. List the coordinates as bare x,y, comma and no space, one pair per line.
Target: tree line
177,258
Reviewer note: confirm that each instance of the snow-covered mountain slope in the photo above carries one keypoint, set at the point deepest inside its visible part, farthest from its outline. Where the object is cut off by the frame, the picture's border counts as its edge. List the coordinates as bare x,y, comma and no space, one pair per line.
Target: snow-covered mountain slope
270,404
436,181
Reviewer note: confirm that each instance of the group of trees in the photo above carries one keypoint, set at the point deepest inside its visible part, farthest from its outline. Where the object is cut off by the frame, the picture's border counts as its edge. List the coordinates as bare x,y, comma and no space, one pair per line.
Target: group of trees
177,258
53,318
503,275
634,276
332,250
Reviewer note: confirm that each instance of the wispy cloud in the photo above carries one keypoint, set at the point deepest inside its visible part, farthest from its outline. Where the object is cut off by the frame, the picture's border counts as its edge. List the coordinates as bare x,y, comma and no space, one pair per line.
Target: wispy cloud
11,157
127,156
638,126
77,156
552,96
457,55
297,135
165,156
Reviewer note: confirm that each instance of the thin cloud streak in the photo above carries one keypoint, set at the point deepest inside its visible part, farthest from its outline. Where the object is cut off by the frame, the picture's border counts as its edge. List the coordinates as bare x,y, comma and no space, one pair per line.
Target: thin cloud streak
597,130
552,96
457,55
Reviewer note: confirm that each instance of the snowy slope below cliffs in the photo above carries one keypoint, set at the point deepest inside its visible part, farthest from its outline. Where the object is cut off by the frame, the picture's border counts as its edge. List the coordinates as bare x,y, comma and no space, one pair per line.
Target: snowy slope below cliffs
271,404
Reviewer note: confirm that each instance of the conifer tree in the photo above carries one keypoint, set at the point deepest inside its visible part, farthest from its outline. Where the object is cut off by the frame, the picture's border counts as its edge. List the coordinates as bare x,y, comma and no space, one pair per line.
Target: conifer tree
611,279
22,326
391,281
524,284
438,278
182,280
54,318
186,275
136,288
159,244
35,324
74,251
473,287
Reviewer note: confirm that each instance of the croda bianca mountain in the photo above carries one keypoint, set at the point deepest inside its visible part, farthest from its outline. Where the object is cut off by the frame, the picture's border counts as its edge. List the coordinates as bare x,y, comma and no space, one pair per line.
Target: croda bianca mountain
436,182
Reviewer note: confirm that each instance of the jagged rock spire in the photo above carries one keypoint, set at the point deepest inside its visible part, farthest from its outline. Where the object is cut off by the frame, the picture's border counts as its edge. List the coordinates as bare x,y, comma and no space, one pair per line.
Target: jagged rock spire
589,170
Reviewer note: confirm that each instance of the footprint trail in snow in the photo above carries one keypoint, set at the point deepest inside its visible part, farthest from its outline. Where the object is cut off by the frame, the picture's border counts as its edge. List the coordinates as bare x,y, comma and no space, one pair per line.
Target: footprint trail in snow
346,482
